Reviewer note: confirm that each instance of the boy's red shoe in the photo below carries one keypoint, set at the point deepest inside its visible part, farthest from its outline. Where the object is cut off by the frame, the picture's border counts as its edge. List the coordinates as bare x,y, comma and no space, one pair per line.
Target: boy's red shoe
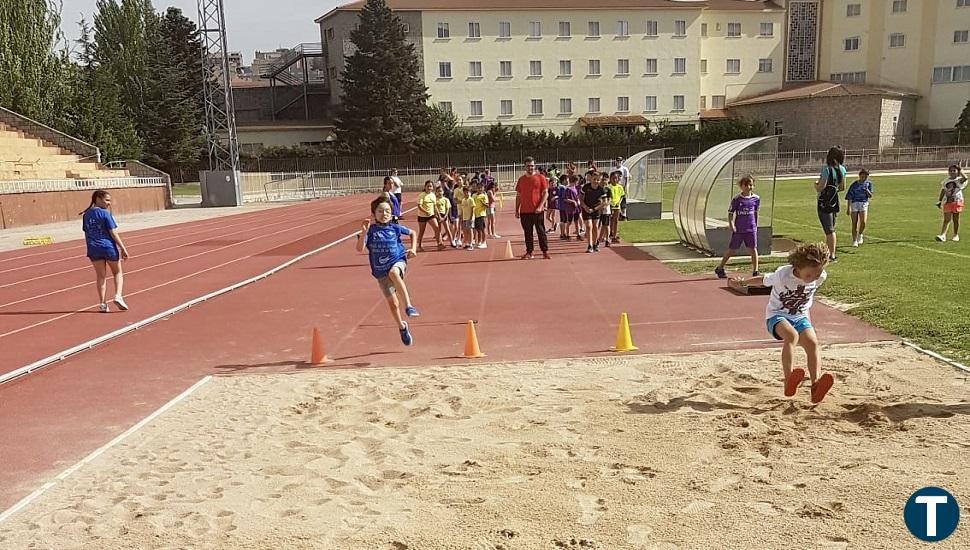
793,381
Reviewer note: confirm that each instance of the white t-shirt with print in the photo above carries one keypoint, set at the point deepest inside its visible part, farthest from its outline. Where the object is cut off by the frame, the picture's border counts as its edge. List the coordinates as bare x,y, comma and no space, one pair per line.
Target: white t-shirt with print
791,297
953,188
396,185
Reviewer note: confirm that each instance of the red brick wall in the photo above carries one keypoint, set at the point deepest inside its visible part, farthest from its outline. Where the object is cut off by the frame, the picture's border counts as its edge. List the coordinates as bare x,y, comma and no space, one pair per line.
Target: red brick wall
21,209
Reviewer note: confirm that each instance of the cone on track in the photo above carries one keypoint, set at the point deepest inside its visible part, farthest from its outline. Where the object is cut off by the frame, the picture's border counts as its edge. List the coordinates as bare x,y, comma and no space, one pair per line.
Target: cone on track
508,251
318,355
623,340
471,342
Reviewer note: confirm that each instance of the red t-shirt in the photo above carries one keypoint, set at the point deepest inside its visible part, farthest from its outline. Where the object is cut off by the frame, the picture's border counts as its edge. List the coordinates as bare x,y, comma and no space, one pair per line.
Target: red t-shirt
530,189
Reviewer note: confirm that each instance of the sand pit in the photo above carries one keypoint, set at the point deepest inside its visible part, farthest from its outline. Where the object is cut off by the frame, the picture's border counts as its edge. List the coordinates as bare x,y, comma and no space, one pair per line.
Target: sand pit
697,451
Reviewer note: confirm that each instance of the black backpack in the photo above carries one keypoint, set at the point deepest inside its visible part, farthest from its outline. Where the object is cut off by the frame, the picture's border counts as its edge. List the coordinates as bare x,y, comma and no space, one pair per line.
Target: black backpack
828,199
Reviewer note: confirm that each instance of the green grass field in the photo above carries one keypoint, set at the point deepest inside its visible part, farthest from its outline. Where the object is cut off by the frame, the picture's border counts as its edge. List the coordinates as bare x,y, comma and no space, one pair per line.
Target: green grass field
186,190
900,279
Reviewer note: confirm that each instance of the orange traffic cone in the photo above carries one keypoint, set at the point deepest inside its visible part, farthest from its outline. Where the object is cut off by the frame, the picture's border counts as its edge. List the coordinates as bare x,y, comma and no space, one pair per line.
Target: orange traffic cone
318,355
508,251
471,342
623,340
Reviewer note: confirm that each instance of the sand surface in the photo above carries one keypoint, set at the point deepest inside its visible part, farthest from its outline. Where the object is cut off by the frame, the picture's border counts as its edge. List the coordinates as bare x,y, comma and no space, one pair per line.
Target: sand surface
691,451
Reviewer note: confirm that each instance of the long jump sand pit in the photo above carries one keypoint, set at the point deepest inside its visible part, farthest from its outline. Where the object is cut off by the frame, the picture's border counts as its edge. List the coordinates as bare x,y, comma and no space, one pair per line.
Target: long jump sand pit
688,451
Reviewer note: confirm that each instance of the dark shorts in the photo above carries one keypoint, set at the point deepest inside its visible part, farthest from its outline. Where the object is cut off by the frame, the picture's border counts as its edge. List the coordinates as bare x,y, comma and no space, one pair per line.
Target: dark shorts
425,219
98,253
747,239
569,217
480,223
605,219
827,219
591,216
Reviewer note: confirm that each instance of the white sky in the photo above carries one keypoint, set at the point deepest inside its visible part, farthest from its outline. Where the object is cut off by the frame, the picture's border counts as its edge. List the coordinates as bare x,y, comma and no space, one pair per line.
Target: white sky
250,24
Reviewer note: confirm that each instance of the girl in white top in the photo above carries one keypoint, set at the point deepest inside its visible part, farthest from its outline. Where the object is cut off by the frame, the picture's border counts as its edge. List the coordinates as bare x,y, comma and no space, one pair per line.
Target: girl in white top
951,202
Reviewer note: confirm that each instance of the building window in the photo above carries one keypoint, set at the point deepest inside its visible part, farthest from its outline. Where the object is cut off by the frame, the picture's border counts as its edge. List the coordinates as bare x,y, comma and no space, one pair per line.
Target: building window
445,106
680,65
650,105
651,66
767,30
717,102
475,108
593,30
678,103
444,70
475,69
652,28
853,10
505,69
680,28
594,105
733,66
622,67
703,66
535,68
897,40
594,67
765,65
961,73
622,29
704,29
443,31
535,29
702,102
856,77
504,29
537,106
474,30
960,37
623,104
942,74
734,30
565,106
963,3
329,34
505,107
779,128
899,6
565,30
852,44
565,67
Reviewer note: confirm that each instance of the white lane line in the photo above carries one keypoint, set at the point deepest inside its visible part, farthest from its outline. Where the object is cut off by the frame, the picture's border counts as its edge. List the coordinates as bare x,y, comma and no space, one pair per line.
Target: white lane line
715,320
736,342
24,502
935,355
870,237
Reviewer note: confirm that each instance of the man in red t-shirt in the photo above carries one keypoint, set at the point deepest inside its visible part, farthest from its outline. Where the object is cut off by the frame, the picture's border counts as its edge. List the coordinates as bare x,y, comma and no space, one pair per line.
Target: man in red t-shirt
531,193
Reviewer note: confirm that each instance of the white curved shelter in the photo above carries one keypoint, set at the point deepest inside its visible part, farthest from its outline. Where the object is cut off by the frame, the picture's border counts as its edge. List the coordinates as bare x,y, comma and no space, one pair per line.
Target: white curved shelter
705,191
644,190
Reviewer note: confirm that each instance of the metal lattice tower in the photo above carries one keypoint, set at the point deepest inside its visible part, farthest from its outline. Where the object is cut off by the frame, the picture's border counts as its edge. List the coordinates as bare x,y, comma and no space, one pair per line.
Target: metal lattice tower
220,117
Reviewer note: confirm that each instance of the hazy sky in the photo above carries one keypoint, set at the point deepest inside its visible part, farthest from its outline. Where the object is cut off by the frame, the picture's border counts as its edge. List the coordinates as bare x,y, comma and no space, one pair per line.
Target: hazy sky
250,24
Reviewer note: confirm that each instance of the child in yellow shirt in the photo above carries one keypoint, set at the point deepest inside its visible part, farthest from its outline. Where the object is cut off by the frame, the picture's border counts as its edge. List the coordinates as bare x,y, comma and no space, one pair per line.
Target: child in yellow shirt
617,194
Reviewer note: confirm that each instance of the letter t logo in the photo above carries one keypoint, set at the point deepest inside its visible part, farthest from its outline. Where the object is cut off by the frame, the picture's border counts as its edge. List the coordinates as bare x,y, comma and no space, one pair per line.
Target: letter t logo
931,502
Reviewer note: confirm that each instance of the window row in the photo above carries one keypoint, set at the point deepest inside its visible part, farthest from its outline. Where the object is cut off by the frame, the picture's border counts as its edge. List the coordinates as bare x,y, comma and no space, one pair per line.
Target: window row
621,30
898,40
593,105
856,77
594,67
959,73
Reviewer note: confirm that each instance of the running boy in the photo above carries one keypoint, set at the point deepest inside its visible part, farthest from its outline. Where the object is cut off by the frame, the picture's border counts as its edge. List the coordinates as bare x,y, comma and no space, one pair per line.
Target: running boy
743,218
787,315
388,260
951,201
857,200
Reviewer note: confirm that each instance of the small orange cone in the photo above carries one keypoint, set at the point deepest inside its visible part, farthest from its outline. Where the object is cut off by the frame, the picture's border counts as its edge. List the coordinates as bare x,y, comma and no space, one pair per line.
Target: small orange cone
623,340
471,342
508,251
318,355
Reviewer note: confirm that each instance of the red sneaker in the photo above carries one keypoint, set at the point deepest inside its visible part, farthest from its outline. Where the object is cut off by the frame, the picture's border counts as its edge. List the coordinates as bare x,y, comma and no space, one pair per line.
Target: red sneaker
793,381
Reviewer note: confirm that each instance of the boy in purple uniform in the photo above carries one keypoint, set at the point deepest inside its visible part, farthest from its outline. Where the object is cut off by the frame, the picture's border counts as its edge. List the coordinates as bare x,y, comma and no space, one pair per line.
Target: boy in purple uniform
743,218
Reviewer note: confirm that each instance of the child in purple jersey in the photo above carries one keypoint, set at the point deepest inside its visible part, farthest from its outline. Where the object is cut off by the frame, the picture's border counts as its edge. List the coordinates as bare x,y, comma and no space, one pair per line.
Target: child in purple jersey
743,218
388,260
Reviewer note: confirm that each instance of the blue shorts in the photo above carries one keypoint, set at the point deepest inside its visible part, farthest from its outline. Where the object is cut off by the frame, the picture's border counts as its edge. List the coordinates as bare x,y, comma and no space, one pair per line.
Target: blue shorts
800,326
99,253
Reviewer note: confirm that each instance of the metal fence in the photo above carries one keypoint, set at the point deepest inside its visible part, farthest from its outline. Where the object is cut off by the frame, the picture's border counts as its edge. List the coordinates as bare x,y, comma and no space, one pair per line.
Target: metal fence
39,186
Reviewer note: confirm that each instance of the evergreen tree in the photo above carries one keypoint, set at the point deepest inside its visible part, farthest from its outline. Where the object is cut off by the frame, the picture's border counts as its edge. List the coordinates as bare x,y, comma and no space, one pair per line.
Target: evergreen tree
963,126
384,103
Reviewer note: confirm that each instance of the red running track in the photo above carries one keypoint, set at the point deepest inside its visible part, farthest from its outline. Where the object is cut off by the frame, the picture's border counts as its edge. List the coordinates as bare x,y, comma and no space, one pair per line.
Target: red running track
564,307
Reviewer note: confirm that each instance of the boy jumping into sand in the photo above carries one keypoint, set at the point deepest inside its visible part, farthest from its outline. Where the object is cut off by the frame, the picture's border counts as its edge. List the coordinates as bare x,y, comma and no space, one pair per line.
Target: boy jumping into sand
388,259
787,316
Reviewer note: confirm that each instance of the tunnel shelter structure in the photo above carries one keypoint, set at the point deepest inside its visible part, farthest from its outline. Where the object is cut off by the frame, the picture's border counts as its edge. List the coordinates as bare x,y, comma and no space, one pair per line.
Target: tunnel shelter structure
644,190
704,193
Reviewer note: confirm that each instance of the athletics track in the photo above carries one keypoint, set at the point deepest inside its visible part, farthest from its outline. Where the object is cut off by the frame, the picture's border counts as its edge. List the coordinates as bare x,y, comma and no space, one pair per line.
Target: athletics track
565,307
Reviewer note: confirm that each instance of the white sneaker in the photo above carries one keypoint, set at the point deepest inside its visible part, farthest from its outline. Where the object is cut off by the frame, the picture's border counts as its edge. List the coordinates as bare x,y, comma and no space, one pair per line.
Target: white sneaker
103,308
482,245
855,243
496,236
941,238
861,238
956,238
120,302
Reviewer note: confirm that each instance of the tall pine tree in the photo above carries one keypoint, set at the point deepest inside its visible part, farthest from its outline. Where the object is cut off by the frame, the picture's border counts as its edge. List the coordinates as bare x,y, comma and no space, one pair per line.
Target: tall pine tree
384,102
963,126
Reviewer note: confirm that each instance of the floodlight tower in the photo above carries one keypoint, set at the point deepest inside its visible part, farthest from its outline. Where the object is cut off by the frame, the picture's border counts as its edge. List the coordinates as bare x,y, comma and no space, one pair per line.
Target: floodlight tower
220,117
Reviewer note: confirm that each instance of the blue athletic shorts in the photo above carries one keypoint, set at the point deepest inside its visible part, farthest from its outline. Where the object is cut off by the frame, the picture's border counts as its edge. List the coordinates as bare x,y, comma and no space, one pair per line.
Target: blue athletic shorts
800,325
99,253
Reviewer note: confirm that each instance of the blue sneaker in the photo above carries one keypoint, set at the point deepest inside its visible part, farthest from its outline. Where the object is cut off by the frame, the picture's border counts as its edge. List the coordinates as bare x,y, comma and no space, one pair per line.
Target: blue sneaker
406,335
411,311
719,271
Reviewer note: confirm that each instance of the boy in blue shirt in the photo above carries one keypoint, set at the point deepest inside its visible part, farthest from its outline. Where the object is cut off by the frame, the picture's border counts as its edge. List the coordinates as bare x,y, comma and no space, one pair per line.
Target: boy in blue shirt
857,198
388,259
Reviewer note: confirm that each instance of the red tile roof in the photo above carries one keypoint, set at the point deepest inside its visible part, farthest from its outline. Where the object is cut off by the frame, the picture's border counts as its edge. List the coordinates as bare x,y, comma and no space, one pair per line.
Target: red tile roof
482,5
613,120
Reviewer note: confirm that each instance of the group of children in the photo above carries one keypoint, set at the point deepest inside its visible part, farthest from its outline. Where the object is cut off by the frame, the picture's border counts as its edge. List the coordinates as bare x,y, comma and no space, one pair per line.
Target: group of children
460,211
587,207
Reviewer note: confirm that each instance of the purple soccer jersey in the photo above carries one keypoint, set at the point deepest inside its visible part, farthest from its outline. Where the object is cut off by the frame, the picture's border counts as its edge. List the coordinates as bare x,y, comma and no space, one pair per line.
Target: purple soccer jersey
745,211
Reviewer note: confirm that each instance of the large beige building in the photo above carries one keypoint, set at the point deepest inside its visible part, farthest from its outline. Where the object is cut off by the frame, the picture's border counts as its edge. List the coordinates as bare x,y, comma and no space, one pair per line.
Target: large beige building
562,64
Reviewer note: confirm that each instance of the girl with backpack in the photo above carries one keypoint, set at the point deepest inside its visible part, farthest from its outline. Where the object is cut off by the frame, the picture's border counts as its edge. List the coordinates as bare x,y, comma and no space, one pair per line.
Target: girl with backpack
828,186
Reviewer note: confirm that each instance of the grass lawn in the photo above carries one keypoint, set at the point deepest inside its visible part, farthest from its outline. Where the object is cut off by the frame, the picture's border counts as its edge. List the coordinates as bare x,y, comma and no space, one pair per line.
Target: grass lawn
900,279
186,190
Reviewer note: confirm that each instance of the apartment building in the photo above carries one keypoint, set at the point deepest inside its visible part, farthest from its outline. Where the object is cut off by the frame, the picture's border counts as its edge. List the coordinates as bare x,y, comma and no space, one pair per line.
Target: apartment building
564,64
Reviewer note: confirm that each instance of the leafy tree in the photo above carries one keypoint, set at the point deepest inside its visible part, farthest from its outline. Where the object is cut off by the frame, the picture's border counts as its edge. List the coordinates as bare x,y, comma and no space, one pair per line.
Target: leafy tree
384,102
963,126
